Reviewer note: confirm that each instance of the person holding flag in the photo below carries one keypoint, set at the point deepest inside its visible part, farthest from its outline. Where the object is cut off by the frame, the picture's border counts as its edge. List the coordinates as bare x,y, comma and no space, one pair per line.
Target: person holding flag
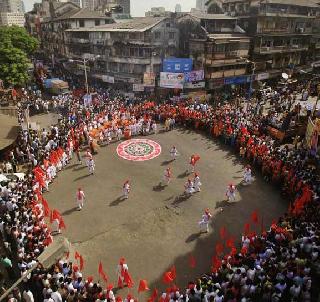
193,161
189,187
204,222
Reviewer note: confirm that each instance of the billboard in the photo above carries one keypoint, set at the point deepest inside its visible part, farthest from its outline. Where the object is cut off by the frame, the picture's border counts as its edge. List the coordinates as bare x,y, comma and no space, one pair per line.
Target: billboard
138,87
108,79
178,65
171,80
194,76
149,79
195,85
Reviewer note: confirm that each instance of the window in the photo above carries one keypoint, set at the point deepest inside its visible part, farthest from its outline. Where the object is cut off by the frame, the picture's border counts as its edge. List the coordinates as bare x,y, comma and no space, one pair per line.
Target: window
171,35
81,23
168,25
96,22
157,35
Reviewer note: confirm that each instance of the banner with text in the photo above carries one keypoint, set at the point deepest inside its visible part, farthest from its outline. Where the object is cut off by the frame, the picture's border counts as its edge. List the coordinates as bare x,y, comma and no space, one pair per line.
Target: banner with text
194,76
171,80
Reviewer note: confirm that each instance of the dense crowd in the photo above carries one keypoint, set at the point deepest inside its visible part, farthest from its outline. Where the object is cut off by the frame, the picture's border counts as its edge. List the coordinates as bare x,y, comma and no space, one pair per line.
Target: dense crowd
280,264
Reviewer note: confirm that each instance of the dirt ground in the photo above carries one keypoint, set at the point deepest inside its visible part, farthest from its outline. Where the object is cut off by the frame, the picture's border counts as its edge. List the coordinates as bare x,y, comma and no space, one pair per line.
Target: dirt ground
153,229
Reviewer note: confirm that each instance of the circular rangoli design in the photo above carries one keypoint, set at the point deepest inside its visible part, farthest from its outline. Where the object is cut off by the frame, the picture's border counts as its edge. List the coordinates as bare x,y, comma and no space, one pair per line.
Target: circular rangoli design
139,149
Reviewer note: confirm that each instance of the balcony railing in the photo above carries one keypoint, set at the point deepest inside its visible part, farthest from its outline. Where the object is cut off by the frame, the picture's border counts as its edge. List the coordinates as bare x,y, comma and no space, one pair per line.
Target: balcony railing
226,73
280,49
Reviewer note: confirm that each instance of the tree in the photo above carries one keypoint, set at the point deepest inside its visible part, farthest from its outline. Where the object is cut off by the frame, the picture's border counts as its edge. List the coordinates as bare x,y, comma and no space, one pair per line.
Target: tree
15,48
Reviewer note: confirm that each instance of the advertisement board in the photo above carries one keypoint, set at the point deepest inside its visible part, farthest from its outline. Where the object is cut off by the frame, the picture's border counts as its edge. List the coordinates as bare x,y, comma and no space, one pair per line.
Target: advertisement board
236,80
178,65
171,80
138,87
262,76
194,76
149,79
195,85
108,79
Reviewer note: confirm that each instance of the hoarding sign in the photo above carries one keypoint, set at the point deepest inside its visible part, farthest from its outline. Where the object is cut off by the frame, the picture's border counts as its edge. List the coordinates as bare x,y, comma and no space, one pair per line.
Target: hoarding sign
194,76
236,80
149,79
138,87
108,79
195,85
171,80
177,65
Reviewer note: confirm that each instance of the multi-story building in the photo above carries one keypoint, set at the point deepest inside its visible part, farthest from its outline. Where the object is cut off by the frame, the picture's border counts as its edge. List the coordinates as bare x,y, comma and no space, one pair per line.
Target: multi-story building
52,29
201,5
125,50
9,19
158,12
217,45
12,6
281,30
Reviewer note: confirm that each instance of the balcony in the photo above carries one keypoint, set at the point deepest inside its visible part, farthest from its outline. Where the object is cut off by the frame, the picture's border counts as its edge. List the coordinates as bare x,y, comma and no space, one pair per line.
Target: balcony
274,31
280,49
226,73
131,60
77,41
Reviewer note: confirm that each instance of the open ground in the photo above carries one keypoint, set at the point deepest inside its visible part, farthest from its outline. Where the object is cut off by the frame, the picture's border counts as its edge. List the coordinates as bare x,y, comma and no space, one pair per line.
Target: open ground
155,229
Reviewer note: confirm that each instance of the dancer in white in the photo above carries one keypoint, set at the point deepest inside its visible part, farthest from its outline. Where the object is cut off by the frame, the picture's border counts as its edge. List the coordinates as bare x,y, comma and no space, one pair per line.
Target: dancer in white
231,193
88,157
126,189
80,198
91,166
174,152
167,176
204,222
247,175
189,187
197,183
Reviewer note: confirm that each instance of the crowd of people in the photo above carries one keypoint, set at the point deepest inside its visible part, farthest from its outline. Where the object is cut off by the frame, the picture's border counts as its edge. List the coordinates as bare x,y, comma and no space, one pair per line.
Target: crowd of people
280,264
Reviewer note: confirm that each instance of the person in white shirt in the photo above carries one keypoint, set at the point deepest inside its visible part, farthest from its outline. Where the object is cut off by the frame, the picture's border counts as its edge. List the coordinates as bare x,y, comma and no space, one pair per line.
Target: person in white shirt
126,189
80,198
28,296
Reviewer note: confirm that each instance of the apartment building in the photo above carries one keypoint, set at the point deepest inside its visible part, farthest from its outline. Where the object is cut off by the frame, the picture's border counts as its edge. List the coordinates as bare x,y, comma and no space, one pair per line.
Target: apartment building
125,50
217,45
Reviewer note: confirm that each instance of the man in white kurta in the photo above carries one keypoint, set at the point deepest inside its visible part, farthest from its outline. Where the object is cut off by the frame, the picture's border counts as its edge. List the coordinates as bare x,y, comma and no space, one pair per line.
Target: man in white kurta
247,175
80,198
204,222
197,183
126,189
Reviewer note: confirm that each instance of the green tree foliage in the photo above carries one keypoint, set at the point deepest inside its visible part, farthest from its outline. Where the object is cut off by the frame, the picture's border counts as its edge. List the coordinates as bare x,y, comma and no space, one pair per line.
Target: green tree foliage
16,45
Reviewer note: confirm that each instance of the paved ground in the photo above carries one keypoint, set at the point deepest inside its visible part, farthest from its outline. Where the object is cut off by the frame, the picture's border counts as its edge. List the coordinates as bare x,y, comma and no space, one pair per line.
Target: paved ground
152,229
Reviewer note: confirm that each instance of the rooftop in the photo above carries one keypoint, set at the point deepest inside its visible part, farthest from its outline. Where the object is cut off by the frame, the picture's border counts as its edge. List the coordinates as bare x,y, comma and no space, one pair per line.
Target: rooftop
307,3
139,24
81,13
200,15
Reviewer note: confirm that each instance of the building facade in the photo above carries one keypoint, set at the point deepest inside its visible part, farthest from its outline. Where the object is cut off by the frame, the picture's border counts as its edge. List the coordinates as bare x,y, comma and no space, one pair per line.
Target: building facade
283,32
216,44
9,19
126,50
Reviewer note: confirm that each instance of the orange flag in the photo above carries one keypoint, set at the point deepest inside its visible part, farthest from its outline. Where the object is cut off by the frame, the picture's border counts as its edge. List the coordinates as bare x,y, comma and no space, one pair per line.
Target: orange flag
143,286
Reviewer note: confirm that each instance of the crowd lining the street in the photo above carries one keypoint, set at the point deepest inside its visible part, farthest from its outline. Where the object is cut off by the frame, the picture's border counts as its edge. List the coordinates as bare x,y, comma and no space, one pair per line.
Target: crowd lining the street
281,263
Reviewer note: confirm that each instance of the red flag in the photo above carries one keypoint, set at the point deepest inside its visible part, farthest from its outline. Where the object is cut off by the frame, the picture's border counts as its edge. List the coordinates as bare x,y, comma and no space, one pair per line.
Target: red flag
127,279
219,248
223,232
120,283
62,224
167,278
154,294
192,261
233,251
104,277
81,263
76,255
90,279
244,250
67,255
230,242
246,228
173,272
143,286
254,217
100,268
